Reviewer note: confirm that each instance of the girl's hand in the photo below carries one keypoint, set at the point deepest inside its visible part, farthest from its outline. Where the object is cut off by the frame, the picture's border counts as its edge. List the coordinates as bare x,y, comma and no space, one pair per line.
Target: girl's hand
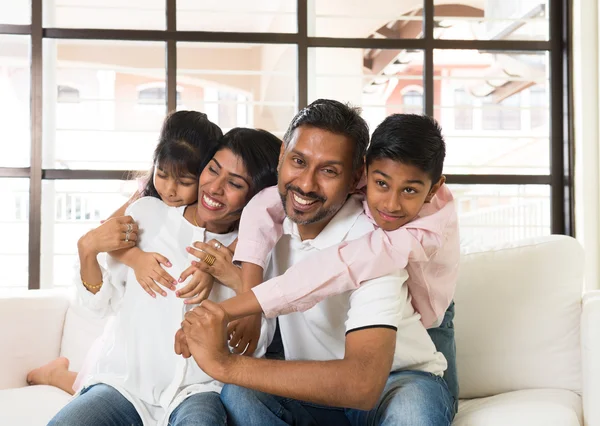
244,334
114,234
198,288
149,273
220,265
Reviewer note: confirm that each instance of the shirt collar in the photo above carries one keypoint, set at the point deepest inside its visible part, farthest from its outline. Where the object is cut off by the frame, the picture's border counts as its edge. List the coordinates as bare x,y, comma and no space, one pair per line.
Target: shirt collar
336,230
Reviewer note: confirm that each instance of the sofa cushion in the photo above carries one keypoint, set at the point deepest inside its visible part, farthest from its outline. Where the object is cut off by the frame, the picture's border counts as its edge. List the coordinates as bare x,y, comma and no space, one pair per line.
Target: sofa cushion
32,326
32,405
518,311
82,328
536,407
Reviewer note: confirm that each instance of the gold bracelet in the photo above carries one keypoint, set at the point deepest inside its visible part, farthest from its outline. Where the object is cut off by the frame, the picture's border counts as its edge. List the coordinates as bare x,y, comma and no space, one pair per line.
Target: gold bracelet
92,287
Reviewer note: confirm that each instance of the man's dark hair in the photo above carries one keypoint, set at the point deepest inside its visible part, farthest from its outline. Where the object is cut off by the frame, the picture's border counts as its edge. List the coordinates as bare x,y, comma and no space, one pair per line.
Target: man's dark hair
335,117
410,139
259,150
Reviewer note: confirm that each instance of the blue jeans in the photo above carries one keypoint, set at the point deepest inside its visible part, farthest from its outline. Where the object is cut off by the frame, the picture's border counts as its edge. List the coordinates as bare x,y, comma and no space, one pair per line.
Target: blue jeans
410,398
443,339
102,405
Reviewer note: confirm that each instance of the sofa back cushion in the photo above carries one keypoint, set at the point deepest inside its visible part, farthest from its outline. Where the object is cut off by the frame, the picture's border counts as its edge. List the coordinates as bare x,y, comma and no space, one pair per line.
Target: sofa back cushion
518,311
31,328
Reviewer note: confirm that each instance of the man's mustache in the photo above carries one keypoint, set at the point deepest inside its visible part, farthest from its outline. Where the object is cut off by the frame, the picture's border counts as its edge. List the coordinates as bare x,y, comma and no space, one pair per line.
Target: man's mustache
311,195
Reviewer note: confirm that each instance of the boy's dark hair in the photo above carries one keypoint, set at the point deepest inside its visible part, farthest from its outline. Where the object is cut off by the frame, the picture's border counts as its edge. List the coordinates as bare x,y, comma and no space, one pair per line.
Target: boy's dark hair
335,117
410,139
259,150
187,142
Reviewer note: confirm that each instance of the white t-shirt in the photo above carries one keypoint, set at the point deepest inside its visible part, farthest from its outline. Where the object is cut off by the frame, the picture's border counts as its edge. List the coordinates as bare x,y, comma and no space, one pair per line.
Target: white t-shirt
137,356
319,333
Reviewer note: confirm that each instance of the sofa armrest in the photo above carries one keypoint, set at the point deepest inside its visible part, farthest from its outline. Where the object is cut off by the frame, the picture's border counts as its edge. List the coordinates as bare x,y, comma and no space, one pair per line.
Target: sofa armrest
590,351
30,332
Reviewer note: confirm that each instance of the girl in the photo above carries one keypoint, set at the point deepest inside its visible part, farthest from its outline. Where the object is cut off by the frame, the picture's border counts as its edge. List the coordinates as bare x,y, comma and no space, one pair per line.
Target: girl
187,141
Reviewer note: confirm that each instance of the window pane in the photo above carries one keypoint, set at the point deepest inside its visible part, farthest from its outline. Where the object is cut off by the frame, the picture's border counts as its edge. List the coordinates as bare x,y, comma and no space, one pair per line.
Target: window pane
247,85
14,228
382,82
491,215
99,116
494,110
493,20
111,14
70,208
15,144
362,19
17,12
237,16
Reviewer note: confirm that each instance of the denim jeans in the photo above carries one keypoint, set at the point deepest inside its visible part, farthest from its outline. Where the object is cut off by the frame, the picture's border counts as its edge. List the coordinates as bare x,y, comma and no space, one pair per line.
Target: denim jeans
410,398
102,405
443,339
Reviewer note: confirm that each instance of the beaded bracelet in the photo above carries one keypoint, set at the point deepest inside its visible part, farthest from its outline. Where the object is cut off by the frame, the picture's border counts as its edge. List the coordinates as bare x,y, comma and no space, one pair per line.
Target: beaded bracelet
92,287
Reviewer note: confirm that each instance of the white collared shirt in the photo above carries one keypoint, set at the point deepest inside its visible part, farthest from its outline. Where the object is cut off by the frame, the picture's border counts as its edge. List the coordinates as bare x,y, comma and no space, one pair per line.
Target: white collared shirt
137,356
320,332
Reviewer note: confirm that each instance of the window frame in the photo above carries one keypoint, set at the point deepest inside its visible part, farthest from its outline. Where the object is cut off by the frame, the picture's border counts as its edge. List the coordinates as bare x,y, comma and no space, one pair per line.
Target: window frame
560,178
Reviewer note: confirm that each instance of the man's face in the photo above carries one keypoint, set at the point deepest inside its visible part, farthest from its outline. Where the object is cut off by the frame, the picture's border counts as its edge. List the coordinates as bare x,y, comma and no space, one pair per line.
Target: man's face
315,177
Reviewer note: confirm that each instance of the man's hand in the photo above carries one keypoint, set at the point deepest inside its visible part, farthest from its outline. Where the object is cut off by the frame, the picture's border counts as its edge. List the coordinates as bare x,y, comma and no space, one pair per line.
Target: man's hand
204,328
244,334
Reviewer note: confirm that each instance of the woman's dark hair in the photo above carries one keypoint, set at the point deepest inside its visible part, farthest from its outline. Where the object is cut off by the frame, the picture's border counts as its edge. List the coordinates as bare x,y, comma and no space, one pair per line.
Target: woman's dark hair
410,139
259,150
188,140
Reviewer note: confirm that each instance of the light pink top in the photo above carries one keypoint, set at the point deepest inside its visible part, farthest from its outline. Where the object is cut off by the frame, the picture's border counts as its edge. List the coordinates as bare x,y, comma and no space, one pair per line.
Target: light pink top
428,247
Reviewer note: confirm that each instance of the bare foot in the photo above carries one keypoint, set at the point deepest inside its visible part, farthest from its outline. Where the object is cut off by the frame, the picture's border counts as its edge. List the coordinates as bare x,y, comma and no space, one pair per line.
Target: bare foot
45,374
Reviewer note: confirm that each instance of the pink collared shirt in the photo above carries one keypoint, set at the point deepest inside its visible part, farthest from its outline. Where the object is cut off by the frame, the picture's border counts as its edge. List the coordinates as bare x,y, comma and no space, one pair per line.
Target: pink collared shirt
428,248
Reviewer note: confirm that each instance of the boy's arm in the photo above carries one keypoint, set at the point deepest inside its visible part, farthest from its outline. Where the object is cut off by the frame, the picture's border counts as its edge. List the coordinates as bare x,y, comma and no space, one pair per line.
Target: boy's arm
335,270
261,226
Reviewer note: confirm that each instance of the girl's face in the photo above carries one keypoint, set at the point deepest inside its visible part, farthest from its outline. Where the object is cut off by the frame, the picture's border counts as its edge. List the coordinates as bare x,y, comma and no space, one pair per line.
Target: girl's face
224,190
175,191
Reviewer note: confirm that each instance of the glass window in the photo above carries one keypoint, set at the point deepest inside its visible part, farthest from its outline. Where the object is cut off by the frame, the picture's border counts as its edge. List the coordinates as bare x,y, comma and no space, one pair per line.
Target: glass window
361,19
67,94
481,100
107,128
16,12
14,228
413,102
492,215
15,120
247,85
70,208
237,16
109,14
540,111
492,20
463,110
374,79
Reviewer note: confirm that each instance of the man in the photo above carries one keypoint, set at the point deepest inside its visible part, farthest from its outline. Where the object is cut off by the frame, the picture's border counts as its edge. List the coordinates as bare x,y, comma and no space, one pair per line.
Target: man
366,349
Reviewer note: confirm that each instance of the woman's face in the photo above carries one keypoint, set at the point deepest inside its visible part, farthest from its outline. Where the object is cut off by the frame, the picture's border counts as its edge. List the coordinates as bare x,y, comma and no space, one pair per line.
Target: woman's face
223,190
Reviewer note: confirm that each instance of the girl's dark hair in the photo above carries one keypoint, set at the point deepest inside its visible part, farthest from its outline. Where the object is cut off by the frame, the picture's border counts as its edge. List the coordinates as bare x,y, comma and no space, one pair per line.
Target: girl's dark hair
259,150
188,140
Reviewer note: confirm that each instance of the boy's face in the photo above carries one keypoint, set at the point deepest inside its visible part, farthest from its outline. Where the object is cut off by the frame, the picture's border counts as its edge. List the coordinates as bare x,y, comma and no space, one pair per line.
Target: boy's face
396,192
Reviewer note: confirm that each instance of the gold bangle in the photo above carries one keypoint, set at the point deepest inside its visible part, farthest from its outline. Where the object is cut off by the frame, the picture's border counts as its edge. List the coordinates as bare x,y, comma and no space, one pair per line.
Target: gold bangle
92,287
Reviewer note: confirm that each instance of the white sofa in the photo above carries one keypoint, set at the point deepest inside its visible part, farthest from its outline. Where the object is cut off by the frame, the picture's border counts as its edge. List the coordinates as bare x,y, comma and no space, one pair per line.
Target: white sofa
527,350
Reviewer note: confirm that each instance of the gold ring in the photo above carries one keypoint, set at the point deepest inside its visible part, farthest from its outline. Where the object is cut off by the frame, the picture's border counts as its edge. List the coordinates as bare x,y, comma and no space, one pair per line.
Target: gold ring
209,259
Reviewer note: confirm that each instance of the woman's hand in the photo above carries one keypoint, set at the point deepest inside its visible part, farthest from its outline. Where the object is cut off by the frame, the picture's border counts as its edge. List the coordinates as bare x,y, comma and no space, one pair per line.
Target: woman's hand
244,334
150,273
115,234
198,288
222,267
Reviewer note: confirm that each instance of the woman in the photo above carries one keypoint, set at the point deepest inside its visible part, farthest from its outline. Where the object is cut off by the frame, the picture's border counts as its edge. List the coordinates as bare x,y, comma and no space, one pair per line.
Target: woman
138,378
